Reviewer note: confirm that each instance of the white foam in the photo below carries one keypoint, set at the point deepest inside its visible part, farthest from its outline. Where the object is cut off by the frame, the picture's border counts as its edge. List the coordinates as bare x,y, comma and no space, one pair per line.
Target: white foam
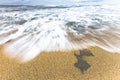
45,30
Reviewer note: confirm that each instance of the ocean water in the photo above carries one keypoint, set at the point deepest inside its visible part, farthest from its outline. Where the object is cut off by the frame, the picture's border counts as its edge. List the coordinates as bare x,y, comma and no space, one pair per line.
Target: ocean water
26,31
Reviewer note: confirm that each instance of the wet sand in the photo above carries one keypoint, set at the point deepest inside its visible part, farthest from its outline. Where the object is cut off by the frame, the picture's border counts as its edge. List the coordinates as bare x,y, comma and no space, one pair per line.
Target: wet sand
61,66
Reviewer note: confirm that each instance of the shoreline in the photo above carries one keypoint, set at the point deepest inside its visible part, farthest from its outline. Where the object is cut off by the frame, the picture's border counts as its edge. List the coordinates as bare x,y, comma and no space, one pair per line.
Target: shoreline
61,66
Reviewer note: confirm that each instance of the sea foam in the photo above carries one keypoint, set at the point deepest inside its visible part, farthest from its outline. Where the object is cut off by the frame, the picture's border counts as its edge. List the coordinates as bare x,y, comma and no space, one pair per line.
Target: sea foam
26,33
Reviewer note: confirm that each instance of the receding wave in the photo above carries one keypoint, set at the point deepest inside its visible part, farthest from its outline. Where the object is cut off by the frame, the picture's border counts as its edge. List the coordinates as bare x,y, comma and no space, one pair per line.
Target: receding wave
26,34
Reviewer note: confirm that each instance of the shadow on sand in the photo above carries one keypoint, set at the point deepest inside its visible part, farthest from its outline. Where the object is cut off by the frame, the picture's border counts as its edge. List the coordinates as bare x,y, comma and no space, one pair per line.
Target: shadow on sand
82,64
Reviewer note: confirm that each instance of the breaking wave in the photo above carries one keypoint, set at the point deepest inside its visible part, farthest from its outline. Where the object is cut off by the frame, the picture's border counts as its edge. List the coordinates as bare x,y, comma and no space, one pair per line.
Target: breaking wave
27,33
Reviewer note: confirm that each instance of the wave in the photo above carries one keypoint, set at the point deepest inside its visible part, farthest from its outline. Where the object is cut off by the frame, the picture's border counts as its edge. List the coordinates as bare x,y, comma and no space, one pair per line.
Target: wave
26,34
22,8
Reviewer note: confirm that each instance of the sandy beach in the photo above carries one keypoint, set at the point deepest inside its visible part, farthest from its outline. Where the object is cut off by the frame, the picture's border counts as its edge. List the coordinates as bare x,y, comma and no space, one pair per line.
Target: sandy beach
61,66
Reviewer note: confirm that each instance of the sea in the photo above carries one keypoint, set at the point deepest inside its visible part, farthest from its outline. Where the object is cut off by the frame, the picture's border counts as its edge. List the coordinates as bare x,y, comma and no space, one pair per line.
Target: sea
26,31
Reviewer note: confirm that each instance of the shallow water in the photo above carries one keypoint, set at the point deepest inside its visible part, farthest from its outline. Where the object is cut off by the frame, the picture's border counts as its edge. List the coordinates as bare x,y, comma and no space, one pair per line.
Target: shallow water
27,31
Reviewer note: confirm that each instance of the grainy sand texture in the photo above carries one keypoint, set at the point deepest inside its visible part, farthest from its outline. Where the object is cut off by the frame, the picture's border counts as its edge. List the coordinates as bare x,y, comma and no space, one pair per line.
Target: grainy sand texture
61,66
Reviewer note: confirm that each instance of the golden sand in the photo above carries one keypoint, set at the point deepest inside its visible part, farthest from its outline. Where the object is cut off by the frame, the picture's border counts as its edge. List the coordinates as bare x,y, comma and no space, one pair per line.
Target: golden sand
60,66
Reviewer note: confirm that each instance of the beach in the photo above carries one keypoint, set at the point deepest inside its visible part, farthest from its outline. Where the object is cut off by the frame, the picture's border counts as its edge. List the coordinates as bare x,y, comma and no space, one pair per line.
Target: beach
61,66
28,33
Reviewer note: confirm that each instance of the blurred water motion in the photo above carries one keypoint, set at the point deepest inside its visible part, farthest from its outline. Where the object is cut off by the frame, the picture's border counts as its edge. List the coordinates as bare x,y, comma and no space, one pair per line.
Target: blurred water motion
28,30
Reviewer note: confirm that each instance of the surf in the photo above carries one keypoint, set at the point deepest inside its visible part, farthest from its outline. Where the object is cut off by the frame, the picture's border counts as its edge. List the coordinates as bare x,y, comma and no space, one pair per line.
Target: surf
25,34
